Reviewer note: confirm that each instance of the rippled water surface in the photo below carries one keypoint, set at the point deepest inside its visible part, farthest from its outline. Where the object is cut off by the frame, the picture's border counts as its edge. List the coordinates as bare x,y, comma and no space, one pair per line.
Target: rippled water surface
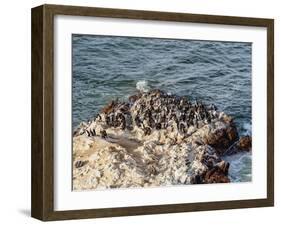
105,68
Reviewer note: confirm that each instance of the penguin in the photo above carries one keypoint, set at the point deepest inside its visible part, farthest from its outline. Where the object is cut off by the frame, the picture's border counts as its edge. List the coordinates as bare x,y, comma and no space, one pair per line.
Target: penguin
123,121
98,117
158,126
147,131
182,128
209,119
107,120
103,134
150,121
196,124
196,104
92,132
182,117
138,121
88,133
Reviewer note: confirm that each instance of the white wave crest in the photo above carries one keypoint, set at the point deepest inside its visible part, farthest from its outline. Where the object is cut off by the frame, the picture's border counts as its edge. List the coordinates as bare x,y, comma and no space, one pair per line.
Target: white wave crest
247,129
142,86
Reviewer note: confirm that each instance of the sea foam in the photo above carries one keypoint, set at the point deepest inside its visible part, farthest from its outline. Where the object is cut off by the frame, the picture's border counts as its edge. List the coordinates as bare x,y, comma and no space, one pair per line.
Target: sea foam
142,86
247,129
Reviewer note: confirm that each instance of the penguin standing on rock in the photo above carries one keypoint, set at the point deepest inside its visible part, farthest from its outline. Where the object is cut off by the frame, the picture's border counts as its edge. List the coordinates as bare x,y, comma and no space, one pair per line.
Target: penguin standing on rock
182,128
123,121
90,132
147,131
93,132
138,121
213,107
103,134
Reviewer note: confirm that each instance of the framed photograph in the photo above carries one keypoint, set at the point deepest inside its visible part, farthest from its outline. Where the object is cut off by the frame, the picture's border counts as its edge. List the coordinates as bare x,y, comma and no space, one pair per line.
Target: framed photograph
141,112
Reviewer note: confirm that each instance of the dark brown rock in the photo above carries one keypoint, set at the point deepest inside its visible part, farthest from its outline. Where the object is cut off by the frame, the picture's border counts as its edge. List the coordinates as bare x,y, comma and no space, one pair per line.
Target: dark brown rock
218,174
222,138
232,133
245,143
218,139
109,108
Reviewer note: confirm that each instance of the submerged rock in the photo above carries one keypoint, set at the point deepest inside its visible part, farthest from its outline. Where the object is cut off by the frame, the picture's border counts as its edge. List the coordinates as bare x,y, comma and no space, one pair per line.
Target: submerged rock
154,139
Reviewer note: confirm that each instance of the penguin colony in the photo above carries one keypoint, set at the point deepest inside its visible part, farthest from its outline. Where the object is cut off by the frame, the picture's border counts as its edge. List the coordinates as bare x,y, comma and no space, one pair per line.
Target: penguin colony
154,110
154,139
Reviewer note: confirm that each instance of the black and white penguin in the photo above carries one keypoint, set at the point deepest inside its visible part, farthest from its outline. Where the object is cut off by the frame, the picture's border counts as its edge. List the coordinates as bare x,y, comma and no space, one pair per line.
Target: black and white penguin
92,132
103,134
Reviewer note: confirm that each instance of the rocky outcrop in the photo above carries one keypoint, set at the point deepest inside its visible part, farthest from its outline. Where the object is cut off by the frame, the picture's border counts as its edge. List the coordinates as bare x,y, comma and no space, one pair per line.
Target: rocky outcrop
153,139
245,143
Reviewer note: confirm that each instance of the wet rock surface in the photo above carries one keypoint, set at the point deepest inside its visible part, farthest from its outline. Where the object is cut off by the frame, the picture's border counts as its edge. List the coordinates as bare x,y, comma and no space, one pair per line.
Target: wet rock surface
245,143
154,139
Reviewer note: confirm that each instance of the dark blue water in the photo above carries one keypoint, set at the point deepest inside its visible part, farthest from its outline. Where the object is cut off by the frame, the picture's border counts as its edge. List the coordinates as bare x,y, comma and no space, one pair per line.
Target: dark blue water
105,68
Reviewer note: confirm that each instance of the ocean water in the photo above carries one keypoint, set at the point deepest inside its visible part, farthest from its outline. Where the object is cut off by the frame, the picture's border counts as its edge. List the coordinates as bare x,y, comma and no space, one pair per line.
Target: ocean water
110,67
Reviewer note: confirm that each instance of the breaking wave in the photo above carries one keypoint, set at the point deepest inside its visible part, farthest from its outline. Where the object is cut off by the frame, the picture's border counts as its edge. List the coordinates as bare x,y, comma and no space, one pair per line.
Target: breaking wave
142,86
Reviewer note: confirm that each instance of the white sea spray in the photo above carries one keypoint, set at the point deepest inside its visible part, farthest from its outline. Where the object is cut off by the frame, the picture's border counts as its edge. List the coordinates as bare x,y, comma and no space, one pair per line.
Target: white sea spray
247,129
240,167
142,86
